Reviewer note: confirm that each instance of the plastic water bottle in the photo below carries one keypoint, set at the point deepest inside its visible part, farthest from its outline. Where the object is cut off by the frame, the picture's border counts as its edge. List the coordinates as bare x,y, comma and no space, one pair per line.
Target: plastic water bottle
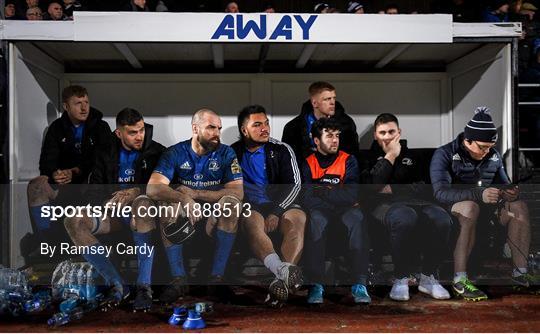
60,319
81,281
91,287
12,280
41,301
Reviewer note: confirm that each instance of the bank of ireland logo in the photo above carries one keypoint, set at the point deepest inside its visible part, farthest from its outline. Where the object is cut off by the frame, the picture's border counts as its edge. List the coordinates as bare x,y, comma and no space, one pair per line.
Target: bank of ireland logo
198,177
130,172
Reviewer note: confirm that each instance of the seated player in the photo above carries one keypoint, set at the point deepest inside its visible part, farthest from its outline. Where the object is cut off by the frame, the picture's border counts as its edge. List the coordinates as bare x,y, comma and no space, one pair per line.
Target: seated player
127,164
332,204
265,162
202,171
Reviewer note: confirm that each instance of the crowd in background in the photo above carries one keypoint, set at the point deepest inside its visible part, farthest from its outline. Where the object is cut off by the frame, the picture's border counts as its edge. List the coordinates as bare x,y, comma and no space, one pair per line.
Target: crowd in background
461,10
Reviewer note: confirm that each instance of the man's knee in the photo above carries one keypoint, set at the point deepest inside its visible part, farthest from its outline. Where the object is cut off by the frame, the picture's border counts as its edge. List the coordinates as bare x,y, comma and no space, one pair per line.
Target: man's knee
38,188
519,211
317,224
229,222
353,218
142,221
467,212
401,216
439,217
76,226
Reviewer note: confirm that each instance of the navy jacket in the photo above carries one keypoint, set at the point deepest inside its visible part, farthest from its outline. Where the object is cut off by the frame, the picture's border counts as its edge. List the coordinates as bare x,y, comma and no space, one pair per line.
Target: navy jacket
105,171
327,197
282,171
457,177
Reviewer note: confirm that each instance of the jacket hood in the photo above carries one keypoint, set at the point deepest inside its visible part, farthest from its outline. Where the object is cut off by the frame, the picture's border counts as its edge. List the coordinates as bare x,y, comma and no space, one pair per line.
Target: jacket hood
308,108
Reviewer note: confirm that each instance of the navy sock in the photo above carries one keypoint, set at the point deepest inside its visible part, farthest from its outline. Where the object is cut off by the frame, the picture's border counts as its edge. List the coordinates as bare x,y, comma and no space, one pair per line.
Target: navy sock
42,223
104,266
225,241
144,260
176,261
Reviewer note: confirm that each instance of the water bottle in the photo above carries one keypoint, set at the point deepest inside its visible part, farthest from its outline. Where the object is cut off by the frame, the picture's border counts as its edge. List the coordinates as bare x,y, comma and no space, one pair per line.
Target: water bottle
12,280
81,280
39,302
91,287
60,319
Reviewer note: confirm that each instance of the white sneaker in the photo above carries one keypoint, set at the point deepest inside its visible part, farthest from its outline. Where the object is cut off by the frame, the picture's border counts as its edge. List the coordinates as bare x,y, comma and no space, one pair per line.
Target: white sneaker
429,285
400,289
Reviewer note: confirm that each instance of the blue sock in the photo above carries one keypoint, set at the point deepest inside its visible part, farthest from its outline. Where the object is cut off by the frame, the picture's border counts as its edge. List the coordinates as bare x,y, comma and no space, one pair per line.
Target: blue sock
225,241
104,266
42,223
144,260
176,261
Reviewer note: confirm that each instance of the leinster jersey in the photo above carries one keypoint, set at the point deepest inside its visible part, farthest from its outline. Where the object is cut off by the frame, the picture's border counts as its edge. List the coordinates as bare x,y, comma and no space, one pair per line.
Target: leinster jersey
183,166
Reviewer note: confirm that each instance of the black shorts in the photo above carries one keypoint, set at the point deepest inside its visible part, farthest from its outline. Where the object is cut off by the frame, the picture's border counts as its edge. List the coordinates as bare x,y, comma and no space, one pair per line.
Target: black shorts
265,209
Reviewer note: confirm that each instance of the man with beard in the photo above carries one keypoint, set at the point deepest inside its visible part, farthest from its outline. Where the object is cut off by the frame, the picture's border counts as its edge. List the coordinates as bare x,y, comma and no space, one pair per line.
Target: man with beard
203,171
266,161
321,104
332,204
120,170
404,205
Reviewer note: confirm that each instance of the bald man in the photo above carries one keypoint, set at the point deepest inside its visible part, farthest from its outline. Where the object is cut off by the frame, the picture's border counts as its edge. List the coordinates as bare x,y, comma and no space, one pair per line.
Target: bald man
204,173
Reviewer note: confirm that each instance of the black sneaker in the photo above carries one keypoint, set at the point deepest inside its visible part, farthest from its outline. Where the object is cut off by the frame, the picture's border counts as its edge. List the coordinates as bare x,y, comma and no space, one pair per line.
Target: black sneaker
527,283
466,289
278,293
116,295
177,289
143,298
291,275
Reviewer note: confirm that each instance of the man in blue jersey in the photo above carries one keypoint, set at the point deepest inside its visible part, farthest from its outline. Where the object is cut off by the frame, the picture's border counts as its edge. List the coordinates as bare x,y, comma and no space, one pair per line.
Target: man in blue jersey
119,175
202,171
266,162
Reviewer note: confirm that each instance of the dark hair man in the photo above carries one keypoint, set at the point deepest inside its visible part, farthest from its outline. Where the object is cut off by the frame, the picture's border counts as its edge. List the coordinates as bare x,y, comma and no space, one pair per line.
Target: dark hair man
405,208
267,162
119,171
321,104
332,204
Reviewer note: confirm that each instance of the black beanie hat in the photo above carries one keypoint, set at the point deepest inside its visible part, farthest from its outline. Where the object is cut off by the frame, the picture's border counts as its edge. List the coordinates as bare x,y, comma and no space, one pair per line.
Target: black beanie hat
481,127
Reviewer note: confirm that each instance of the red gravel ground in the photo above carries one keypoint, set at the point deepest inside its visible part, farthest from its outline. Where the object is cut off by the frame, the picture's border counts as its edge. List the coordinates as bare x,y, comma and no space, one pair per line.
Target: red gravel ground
506,311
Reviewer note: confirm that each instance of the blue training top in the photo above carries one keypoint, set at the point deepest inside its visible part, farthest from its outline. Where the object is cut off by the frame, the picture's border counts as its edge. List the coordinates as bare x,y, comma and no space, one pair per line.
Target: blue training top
181,165
255,176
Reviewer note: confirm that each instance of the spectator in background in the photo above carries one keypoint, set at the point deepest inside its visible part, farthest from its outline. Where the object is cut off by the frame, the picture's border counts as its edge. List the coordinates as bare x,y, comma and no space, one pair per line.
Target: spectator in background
514,11
232,7
9,11
136,6
321,8
70,6
461,11
391,9
21,7
55,12
354,7
269,8
34,14
497,12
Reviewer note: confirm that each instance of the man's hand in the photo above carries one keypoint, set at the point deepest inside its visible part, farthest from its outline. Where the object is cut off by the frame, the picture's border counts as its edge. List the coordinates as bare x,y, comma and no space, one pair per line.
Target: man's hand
271,223
510,194
188,192
392,149
126,196
386,190
62,176
490,195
